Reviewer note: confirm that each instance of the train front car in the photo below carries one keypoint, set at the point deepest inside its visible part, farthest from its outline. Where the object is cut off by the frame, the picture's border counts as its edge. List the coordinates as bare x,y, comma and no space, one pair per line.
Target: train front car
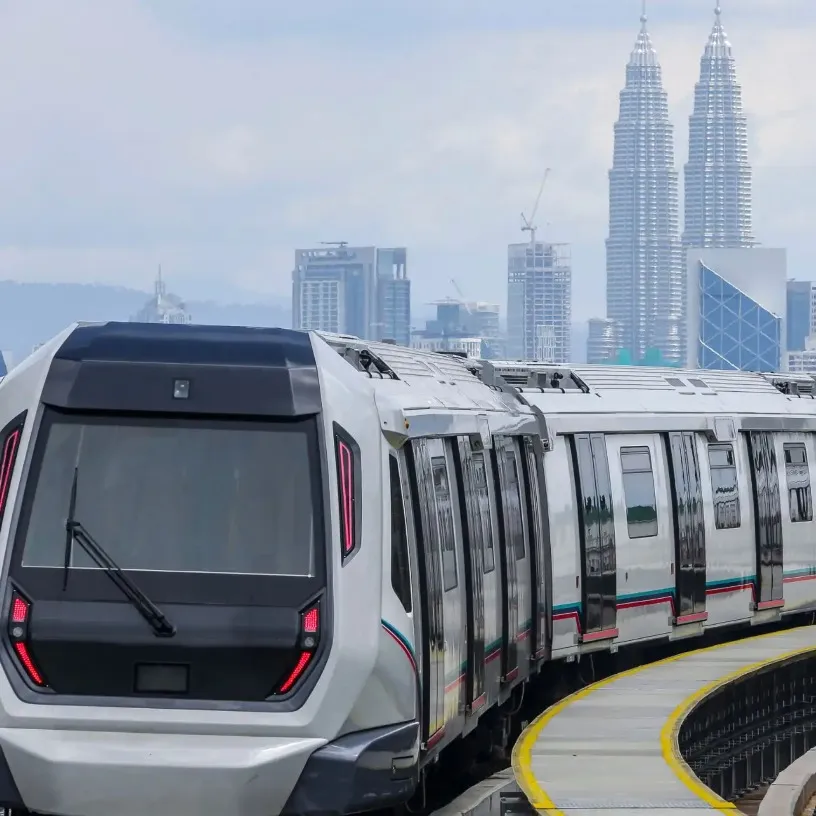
190,616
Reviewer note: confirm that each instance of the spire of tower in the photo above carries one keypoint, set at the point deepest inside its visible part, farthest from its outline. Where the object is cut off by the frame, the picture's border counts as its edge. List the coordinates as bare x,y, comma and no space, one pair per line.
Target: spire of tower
643,54
718,46
718,152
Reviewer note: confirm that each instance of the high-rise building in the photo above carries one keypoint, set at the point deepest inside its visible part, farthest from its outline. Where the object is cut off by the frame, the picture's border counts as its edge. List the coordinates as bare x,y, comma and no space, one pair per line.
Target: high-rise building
737,308
644,274
801,313
393,297
163,307
362,291
803,361
603,341
539,301
718,176
334,289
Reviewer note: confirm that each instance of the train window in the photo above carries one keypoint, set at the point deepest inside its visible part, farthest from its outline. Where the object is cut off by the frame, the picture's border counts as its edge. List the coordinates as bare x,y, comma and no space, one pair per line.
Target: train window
798,479
724,486
483,508
639,492
400,570
512,503
444,514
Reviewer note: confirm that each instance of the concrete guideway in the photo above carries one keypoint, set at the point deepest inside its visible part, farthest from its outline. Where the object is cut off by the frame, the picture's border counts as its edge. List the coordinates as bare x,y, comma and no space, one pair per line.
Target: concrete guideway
612,746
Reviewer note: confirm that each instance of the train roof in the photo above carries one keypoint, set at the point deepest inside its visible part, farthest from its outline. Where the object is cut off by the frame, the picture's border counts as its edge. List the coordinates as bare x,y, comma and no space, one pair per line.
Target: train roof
581,389
416,380
413,380
633,389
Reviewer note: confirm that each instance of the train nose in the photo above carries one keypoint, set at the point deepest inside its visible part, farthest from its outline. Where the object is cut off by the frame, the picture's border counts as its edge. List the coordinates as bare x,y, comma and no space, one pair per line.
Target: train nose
89,773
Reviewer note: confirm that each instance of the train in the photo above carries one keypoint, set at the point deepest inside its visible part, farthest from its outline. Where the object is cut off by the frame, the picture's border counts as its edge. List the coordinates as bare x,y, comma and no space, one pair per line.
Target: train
266,571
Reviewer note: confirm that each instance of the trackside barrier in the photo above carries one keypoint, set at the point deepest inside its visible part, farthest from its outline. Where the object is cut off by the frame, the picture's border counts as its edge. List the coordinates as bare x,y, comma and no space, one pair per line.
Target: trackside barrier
745,733
792,789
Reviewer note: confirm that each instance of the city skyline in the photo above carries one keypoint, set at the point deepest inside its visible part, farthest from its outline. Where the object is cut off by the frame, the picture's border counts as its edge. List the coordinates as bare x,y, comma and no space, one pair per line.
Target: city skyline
181,165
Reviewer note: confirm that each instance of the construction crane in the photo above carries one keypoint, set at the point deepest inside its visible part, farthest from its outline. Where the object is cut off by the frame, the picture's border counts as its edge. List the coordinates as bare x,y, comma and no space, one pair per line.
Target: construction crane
528,224
461,295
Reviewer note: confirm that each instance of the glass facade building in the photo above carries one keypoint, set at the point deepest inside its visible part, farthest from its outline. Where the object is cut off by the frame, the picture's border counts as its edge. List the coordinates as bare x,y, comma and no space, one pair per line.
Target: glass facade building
735,332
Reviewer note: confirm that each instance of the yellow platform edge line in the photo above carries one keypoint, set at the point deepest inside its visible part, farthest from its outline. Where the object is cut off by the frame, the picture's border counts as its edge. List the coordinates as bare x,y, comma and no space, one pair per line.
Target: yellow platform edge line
521,760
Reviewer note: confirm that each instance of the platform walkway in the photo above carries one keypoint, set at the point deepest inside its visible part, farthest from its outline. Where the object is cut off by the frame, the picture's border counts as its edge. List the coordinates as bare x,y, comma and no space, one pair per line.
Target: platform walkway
611,748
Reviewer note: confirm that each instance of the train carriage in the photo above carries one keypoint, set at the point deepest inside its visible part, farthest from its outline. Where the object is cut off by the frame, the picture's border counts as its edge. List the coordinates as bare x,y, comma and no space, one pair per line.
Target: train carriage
264,571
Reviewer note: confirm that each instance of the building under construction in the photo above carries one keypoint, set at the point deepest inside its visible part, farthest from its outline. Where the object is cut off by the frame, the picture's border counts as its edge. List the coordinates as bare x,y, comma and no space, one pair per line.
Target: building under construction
539,301
468,328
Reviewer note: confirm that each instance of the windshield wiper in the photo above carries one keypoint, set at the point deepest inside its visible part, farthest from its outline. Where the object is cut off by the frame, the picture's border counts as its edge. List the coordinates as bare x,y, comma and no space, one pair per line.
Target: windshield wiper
75,531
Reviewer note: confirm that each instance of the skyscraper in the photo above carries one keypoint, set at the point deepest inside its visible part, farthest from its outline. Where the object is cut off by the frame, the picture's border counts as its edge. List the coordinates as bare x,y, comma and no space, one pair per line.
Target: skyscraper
364,291
393,296
644,273
539,301
718,176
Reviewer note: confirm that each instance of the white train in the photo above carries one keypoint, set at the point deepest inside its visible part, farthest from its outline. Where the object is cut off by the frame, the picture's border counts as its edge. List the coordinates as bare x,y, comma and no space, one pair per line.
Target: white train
258,571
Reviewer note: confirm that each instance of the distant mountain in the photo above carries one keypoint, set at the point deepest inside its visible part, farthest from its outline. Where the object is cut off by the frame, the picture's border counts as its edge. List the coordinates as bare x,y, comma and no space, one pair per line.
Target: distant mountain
32,313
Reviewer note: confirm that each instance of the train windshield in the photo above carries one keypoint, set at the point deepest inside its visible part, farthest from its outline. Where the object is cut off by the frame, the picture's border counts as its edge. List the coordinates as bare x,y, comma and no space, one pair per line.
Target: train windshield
177,495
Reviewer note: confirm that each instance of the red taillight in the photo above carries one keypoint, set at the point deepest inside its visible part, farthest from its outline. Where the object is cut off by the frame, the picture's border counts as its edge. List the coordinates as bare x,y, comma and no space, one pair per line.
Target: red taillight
311,621
28,664
19,614
7,458
345,476
303,662
19,610
309,640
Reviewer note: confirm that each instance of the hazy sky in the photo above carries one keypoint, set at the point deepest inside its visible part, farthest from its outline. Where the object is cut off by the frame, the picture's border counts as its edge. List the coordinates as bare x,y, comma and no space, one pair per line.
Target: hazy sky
214,136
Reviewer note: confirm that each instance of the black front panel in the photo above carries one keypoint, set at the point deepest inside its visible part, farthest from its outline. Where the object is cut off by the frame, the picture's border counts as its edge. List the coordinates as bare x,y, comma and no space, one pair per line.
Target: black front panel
212,518
219,652
222,370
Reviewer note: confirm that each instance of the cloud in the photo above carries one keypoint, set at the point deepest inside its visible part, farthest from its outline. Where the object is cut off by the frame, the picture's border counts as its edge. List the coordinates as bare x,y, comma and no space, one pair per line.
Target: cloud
135,135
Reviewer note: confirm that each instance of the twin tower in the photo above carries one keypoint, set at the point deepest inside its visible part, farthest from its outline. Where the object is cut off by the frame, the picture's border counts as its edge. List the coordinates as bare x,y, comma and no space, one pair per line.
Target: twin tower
645,251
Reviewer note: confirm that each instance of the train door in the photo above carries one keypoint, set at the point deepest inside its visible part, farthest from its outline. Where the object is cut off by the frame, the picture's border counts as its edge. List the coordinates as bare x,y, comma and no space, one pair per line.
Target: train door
599,579
540,549
698,543
474,567
450,537
767,519
430,573
689,526
510,594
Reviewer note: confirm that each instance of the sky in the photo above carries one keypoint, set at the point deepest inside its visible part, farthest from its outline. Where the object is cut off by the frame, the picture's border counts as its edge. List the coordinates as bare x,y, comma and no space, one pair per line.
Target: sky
214,137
